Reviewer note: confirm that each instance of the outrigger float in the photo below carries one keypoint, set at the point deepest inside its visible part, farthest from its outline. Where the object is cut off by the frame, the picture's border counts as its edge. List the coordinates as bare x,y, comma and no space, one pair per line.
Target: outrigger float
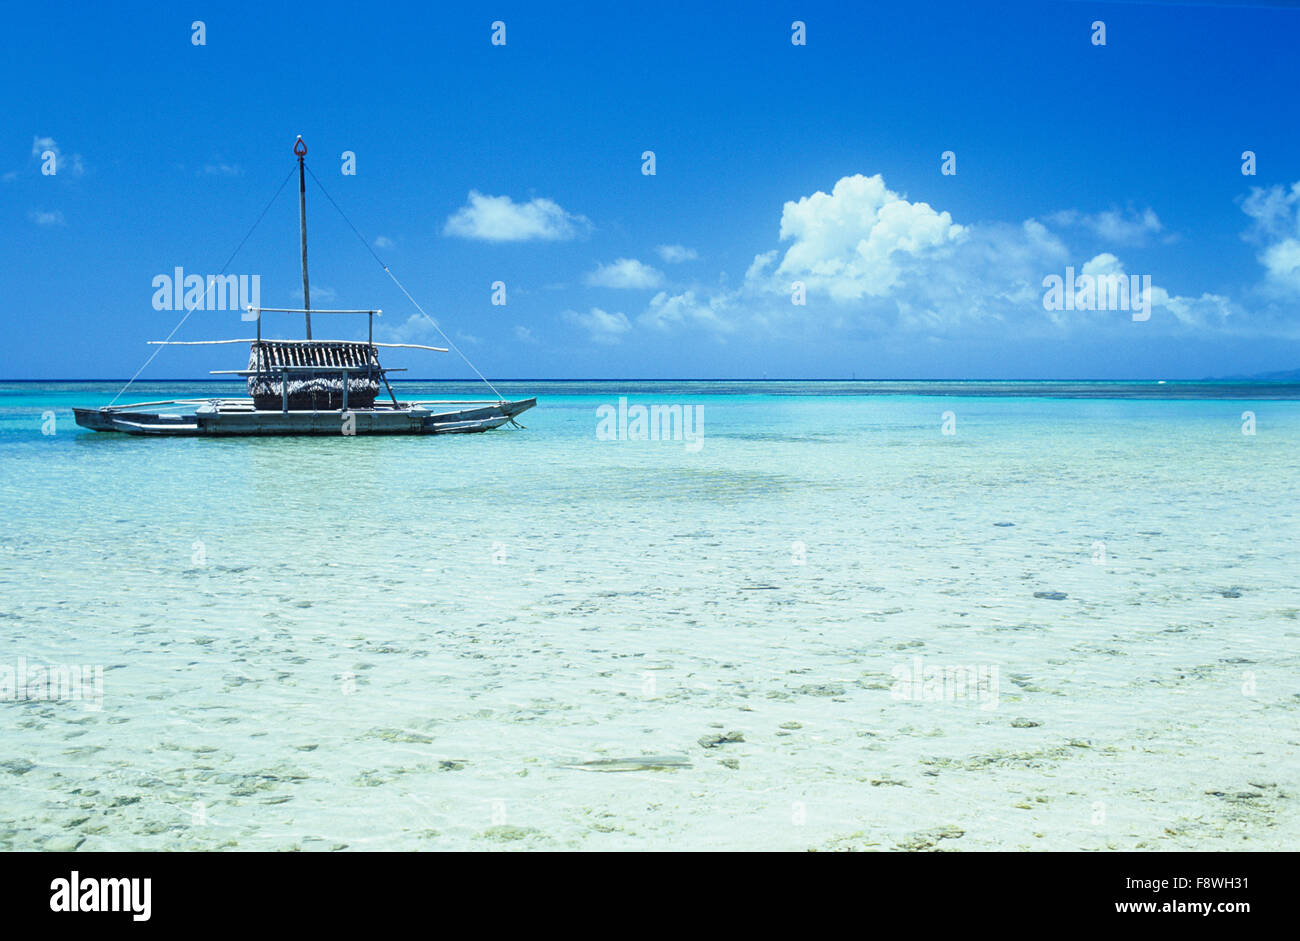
307,387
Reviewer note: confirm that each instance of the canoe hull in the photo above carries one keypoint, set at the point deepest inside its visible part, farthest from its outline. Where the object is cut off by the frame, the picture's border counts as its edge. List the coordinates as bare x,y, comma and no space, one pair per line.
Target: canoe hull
238,418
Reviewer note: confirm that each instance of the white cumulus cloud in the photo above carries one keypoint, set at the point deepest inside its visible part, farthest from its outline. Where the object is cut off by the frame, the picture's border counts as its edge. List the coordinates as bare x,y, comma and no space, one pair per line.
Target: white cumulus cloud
625,273
1281,262
872,262
859,239
1207,310
501,219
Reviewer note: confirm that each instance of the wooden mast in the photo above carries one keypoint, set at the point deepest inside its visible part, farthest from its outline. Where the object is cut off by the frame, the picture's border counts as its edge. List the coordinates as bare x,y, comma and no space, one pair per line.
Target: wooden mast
300,148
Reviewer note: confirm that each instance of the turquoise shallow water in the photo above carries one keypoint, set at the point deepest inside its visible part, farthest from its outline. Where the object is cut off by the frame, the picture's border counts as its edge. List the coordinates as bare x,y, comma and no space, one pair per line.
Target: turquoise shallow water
409,643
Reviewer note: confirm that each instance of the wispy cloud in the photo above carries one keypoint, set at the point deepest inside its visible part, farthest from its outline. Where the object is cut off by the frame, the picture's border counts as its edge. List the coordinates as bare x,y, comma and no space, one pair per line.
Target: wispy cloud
1275,214
414,329
675,254
222,169
601,326
383,241
46,218
501,219
1114,226
71,164
687,309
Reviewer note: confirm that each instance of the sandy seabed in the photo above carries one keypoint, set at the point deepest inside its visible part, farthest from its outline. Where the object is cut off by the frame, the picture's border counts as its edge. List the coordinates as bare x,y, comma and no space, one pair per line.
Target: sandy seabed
534,640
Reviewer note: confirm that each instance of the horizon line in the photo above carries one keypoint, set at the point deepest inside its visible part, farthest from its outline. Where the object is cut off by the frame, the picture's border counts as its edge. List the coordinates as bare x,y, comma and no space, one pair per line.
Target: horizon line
474,381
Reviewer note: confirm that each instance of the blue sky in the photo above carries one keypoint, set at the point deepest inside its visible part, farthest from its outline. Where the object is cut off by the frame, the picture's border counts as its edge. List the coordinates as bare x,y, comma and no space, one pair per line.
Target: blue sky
523,164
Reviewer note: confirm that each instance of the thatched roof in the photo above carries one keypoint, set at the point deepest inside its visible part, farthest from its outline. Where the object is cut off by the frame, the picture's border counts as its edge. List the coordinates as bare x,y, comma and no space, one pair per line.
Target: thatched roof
308,390
307,353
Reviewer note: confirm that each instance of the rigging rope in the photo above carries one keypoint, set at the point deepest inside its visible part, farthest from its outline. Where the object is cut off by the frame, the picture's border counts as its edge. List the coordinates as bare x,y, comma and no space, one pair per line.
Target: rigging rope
211,284
403,289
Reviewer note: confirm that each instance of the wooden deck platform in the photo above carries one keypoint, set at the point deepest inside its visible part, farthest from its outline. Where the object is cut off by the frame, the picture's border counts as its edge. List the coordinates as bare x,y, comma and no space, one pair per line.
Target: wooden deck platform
232,417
